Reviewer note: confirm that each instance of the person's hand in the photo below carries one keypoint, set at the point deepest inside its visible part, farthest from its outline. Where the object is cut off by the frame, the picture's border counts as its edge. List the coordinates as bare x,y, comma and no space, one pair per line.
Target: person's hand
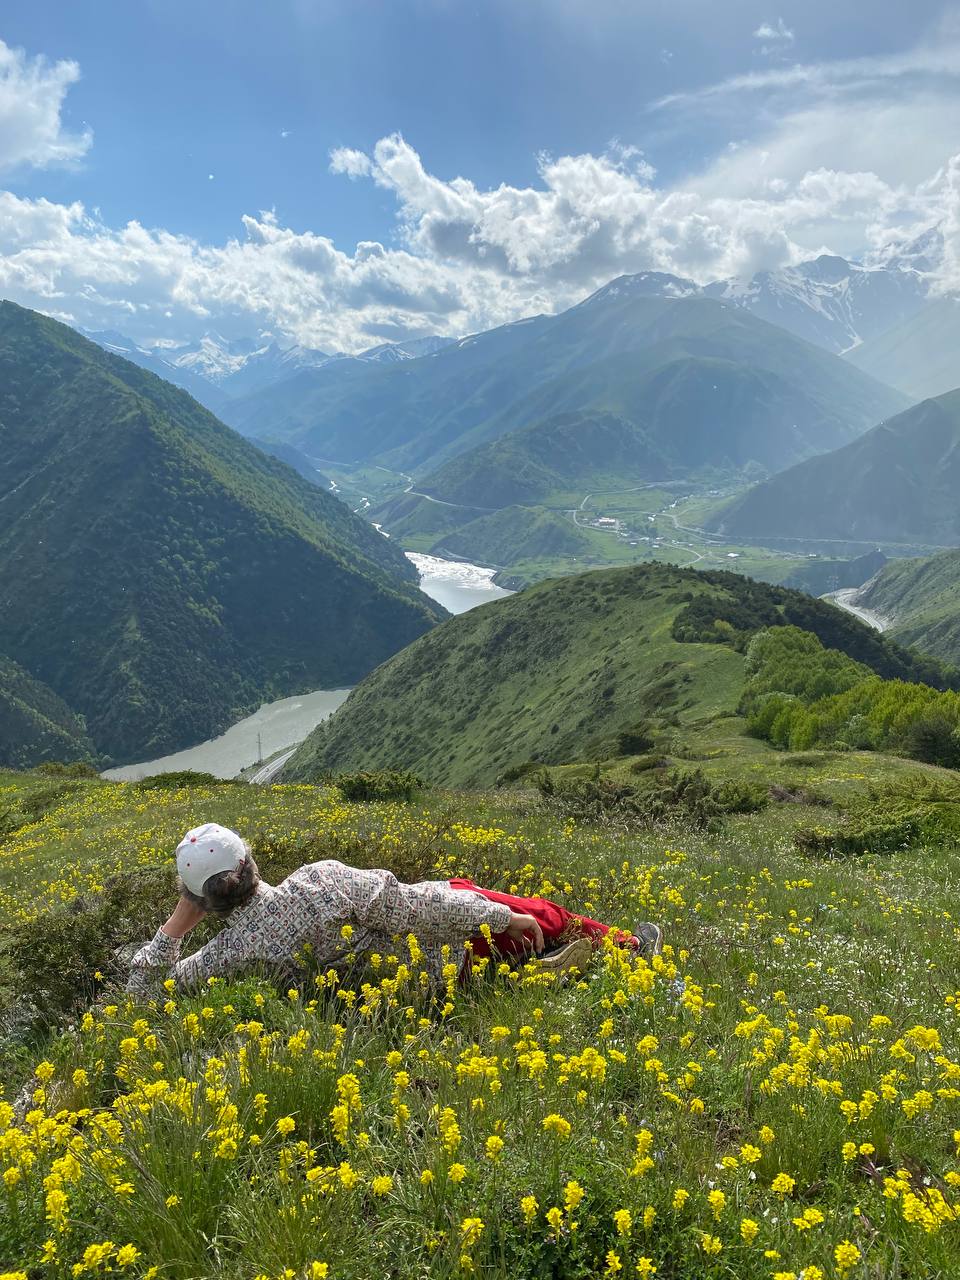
186,915
522,929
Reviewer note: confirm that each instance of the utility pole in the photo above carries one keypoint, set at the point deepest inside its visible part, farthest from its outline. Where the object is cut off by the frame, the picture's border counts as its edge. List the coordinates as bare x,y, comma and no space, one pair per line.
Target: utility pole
259,751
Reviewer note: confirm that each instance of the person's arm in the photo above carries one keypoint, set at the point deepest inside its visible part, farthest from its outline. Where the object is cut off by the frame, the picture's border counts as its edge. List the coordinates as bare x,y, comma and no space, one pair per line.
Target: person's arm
432,910
160,959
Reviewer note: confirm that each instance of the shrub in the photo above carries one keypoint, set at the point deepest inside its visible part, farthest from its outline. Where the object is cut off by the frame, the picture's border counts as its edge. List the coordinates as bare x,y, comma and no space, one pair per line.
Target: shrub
178,778
75,769
741,797
672,796
515,772
631,742
914,810
933,739
380,784
645,763
854,838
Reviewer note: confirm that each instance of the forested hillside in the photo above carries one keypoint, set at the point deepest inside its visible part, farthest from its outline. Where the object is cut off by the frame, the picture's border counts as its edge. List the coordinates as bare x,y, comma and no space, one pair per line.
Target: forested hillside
161,574
35,724
921,599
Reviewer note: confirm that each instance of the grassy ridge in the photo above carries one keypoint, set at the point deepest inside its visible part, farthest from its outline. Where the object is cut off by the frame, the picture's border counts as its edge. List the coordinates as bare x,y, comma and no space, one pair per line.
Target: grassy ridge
776,1095
556,673
547,674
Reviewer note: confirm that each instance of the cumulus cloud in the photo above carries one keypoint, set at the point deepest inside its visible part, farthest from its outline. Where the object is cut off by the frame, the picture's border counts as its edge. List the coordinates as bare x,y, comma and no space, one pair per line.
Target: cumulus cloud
32,91
464,257
345,160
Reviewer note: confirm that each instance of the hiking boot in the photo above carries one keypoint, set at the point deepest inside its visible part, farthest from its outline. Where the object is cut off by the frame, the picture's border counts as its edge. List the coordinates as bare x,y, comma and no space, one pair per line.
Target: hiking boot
648,940
572,955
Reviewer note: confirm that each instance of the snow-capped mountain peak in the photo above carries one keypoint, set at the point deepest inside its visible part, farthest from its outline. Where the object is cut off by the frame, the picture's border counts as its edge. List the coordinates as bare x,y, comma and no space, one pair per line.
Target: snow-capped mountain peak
650,284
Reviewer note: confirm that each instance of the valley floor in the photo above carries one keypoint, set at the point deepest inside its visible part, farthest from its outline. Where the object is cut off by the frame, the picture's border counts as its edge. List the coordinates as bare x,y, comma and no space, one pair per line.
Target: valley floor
778,1095
625,523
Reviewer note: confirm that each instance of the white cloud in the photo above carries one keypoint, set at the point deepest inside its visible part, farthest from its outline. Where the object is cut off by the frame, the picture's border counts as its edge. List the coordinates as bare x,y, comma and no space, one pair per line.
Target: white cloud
353,163
778,31
32,91
466,259
847,156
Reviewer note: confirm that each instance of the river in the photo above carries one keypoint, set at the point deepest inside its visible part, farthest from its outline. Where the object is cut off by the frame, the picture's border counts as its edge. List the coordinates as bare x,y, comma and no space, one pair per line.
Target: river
454,584
282,724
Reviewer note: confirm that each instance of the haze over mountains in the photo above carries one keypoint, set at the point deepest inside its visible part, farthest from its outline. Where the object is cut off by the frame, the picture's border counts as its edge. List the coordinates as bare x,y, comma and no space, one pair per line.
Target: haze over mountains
651,379
597,356
160,574
897,484
216,369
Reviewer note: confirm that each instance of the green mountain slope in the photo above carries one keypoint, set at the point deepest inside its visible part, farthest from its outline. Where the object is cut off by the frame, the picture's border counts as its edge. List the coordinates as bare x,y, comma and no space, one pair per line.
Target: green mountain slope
674,419
35,724
896,484
422,412
515,533
920,356
557,672
922,600
293,458
160,573
561,453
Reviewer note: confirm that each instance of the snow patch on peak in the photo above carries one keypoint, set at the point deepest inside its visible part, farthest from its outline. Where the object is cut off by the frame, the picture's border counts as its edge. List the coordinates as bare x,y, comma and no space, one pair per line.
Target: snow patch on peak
650,284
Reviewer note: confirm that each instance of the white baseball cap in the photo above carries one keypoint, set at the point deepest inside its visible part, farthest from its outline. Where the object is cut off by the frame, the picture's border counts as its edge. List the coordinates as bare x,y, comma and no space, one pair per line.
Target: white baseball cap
204,851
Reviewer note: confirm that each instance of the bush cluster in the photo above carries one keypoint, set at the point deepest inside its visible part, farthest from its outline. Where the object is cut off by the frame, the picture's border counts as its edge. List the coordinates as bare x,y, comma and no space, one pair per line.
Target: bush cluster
178,778
380,784
743,607
898,815
800,695
667,797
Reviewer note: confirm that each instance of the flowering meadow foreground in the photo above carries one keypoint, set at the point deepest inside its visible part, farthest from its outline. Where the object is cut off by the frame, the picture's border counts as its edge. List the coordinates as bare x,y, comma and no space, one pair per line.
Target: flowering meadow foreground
776,1097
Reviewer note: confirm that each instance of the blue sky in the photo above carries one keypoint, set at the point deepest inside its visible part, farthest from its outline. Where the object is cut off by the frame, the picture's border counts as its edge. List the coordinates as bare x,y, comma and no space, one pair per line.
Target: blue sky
627,135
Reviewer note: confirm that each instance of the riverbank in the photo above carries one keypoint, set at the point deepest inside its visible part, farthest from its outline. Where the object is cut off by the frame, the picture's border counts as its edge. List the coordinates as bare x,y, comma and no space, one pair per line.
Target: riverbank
273,727
260,744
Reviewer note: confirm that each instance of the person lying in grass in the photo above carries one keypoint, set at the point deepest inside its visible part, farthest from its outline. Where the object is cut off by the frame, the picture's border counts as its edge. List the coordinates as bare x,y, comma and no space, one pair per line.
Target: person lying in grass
342,911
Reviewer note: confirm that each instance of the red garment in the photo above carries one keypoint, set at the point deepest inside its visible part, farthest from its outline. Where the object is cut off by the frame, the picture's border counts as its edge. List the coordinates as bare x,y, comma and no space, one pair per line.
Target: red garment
555,921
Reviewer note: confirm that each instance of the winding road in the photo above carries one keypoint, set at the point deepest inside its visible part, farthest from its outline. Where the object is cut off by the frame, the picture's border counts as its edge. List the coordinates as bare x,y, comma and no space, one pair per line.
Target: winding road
270,770
846,597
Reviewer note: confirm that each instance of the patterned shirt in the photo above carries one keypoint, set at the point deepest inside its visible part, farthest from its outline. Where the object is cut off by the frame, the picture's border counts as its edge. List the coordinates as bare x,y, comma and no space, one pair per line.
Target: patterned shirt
311,906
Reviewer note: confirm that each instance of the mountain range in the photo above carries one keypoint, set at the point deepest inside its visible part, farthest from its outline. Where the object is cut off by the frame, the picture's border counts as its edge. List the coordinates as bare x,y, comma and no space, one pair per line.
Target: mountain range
216,370
613,353
160,574
895,485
